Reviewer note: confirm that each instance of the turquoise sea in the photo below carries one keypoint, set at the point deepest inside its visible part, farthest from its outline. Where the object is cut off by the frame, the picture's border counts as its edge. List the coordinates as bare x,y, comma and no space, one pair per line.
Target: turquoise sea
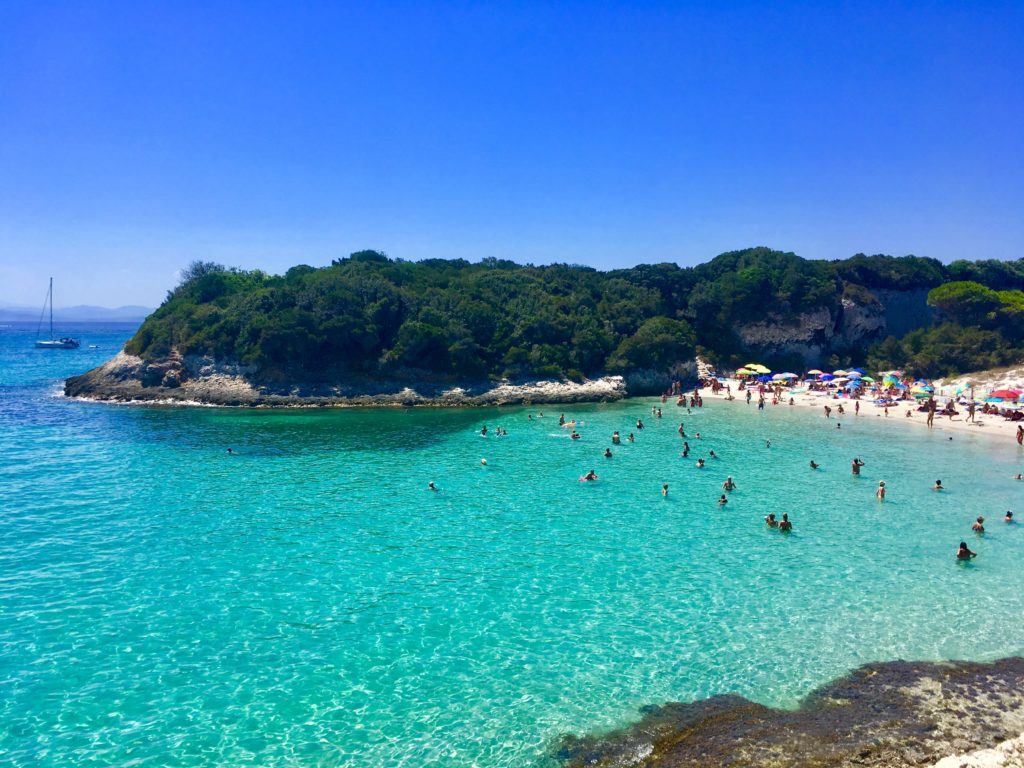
307,602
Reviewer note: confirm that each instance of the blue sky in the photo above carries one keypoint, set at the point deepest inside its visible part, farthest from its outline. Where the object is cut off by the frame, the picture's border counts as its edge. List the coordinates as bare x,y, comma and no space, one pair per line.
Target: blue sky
137,137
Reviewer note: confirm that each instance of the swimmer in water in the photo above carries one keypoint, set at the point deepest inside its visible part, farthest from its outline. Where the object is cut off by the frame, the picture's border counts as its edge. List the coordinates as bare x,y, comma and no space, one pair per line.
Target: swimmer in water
784,524
838,425
483,462
1008,517
937,486
483,432
664,489
963,553
432,487
631,438
880,493
712,454
591,475
814,465
639,424
729,485
231,451
722,501
979,525
616,440
700,463
697,435
1018,477
575,435
767,443
770,521
607,453
561,420
686,449
855,466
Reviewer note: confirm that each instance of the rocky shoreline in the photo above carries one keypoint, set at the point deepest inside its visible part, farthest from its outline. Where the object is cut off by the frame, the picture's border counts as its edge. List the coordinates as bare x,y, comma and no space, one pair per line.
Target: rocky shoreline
893,714
203,381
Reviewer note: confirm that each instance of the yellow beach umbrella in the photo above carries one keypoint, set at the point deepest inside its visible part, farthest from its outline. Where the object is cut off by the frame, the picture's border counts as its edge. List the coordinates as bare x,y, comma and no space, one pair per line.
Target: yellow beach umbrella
815,372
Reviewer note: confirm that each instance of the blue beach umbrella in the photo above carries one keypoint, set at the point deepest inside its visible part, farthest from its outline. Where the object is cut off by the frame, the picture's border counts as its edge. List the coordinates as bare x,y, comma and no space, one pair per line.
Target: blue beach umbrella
853,385
764,378
826,377
861,371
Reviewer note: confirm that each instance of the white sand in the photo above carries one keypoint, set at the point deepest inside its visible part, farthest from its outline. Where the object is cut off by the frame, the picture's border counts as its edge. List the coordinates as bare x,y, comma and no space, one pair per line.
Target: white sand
984,424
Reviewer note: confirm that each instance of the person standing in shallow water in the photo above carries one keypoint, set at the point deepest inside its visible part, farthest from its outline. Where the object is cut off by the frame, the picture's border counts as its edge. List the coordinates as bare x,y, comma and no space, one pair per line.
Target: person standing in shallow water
880,493
1020,435
855,466
931,411
963,553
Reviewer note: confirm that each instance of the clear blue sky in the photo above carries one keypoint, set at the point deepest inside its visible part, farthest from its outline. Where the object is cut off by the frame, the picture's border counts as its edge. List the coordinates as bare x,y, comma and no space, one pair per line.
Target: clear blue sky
137,137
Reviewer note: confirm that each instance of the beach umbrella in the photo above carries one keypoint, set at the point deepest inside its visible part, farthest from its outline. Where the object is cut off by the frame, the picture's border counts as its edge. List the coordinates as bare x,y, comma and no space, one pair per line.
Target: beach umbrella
757,367
764,378
853,385
899,385
861,371
1005,394
826,377
744,372
814,372
783,376
854,375
868,379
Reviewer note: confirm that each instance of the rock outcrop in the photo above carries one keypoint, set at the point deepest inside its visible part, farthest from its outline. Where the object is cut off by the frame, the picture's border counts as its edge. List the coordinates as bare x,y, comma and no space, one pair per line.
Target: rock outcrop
855,325
896,714
201,380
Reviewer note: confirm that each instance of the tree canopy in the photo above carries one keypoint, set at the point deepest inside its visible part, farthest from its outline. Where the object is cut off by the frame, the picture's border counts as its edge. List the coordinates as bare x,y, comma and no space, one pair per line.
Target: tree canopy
369,314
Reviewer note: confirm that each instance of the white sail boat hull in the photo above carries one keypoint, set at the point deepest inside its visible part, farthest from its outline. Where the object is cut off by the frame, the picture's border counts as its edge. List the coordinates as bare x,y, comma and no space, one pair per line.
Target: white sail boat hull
52,343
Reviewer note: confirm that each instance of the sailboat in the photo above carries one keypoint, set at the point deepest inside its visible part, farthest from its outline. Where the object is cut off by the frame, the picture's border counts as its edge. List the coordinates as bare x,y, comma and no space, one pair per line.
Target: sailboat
64,343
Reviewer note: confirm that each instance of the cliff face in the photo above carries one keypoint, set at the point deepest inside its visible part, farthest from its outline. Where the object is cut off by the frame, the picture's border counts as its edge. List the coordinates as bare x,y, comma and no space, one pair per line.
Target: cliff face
817,335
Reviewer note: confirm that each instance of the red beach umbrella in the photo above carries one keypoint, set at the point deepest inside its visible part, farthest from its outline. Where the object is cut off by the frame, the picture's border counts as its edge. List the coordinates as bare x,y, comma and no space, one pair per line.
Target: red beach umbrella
1006,394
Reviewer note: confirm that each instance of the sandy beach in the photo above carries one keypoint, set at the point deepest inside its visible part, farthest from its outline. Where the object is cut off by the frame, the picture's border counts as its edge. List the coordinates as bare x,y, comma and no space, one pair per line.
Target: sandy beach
984,424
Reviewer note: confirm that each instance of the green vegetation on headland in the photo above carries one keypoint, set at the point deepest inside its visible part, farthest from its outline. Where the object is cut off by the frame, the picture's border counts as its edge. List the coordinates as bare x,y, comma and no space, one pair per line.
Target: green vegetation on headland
374,317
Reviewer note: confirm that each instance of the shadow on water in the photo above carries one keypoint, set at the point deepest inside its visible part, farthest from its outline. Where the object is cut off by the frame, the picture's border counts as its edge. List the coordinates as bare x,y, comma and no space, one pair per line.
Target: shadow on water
268,433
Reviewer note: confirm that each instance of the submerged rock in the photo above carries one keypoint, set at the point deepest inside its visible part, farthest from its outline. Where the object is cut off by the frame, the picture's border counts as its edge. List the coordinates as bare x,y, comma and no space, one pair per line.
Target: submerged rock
887,714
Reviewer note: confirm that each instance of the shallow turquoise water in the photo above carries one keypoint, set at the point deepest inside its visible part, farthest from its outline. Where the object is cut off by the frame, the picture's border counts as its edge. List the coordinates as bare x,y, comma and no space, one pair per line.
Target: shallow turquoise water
308,603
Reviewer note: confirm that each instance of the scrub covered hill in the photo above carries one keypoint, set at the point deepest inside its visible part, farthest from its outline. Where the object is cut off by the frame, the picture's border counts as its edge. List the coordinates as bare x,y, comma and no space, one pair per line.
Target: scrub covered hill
371,316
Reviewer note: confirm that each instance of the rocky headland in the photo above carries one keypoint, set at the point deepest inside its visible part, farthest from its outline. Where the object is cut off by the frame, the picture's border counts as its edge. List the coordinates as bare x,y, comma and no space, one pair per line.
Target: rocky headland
187,380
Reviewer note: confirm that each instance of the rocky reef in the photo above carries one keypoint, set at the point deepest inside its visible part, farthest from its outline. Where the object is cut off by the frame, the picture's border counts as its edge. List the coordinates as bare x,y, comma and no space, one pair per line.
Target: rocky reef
896,714
202,380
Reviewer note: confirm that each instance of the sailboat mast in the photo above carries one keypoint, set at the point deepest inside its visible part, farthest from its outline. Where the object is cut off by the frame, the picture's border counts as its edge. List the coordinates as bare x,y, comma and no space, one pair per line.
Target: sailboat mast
51,309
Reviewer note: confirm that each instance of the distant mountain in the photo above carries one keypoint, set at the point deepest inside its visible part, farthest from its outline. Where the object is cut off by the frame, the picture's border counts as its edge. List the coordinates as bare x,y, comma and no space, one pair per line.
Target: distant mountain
82,313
